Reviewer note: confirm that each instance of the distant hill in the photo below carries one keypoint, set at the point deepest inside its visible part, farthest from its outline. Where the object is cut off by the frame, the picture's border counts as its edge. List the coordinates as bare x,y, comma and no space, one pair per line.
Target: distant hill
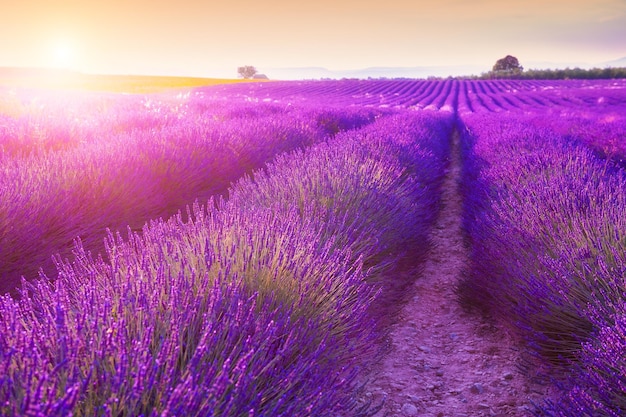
554,65
621,62
616,63
303,73
299,73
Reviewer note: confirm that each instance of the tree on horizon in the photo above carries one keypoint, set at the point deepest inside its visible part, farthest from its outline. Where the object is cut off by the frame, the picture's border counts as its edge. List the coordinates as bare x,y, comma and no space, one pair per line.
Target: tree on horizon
247,71
508,64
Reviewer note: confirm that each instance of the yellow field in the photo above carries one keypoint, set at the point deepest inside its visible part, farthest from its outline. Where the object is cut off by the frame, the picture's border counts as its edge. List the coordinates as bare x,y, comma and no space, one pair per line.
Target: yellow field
66,80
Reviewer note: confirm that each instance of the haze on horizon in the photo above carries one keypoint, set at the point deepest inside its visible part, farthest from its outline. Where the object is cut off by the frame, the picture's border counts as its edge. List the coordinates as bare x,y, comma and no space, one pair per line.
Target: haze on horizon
212,38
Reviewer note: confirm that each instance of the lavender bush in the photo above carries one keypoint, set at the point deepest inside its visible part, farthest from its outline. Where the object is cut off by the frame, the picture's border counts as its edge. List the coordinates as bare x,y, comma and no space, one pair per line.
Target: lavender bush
241,307
143,158
544,217
334,199
597,383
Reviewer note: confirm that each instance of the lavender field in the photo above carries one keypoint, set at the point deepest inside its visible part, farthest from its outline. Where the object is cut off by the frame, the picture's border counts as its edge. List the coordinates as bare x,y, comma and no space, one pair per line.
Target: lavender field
234,250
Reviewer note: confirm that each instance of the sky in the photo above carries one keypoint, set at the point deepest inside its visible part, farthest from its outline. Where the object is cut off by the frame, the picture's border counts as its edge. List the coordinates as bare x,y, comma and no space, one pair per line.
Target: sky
210,38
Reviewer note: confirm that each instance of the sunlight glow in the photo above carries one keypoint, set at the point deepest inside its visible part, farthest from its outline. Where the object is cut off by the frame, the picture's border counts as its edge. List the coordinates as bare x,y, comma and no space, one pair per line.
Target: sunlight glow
62,54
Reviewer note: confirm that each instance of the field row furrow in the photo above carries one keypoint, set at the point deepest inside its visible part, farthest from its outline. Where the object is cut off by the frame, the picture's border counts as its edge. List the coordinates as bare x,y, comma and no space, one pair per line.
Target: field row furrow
459,96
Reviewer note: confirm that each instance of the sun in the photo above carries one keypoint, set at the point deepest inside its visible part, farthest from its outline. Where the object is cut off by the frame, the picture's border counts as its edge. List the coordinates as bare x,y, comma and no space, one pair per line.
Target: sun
62,54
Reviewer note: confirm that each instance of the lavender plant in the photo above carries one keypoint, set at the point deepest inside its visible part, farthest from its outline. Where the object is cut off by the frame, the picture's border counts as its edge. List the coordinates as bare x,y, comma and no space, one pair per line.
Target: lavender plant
547,234
334,199
597,384
154,156
240,307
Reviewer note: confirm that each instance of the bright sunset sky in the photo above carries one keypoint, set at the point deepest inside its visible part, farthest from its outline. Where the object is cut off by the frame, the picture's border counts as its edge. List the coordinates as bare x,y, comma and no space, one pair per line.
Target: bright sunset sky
212,38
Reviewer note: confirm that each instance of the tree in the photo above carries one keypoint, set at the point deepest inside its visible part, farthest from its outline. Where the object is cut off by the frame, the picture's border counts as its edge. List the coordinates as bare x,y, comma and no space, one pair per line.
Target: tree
508,64
246,71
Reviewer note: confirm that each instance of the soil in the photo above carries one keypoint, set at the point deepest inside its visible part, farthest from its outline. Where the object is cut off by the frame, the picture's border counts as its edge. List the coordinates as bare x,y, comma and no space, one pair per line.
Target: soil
441,359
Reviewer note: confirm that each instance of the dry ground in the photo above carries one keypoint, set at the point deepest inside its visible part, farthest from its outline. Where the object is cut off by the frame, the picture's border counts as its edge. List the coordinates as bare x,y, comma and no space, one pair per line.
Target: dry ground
442,360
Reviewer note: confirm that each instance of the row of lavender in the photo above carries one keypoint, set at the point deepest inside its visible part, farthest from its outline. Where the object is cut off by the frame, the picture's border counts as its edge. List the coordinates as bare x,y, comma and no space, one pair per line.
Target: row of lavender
561,112
254,306
545,218
74,165
593,112
452,95
544,214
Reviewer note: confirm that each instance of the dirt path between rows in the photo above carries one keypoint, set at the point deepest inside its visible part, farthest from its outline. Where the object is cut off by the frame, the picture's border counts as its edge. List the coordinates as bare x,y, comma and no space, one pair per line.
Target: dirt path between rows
442,360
